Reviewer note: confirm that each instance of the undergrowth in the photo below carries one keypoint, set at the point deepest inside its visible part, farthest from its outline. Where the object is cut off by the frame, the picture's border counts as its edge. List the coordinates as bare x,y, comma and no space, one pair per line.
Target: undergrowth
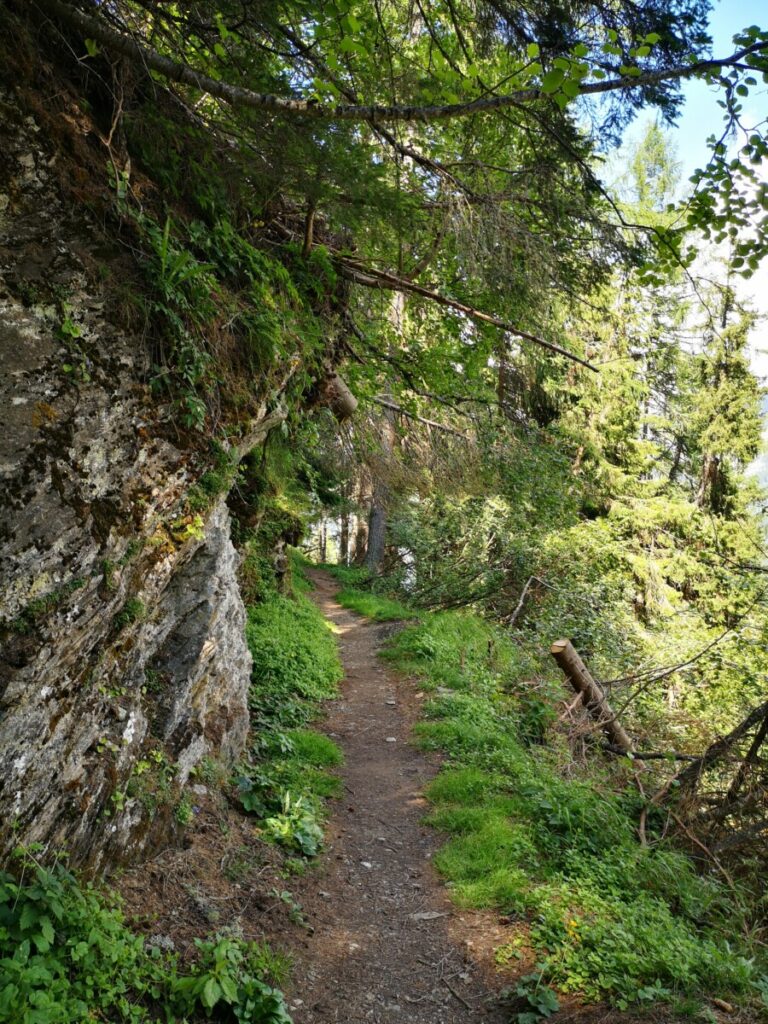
66,955
607,918
355,595
286,779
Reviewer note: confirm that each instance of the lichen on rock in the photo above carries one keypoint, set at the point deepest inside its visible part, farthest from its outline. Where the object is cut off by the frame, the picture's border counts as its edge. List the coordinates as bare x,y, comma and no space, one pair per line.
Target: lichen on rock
120,644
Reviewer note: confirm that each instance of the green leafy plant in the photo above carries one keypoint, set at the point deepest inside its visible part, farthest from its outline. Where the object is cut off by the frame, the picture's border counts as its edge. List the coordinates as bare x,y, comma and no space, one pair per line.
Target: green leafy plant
39,607
540,998
184,812
295,912
228,977
295,826
132,611
188,528
67,955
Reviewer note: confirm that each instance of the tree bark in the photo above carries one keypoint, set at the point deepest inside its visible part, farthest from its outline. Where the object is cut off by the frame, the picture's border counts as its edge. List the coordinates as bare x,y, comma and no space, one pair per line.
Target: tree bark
377,530
380,501
344,538
377,520
593,698
361,541
324,541
710,471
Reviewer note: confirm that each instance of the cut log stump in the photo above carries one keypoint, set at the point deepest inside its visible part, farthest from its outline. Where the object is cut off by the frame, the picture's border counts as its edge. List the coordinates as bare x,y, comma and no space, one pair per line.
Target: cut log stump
592,696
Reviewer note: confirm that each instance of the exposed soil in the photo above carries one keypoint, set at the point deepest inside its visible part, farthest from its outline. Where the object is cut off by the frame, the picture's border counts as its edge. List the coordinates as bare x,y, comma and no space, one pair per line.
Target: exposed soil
377,938
387,944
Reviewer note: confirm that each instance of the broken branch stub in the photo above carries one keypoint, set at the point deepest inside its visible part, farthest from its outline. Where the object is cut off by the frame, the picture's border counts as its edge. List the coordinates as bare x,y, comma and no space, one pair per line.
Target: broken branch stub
592,696
338,397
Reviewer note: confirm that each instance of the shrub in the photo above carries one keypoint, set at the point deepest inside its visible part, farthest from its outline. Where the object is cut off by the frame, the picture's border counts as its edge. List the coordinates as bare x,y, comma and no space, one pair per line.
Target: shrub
67,955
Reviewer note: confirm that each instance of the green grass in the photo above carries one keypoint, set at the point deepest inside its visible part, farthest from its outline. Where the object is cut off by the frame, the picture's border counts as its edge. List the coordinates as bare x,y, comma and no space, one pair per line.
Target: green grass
299,579
357,595
374,606
609,919
288,775
294,652
315,749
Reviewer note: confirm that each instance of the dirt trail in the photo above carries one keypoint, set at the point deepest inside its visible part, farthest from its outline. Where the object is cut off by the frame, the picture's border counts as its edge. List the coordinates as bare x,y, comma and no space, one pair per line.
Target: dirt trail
387,945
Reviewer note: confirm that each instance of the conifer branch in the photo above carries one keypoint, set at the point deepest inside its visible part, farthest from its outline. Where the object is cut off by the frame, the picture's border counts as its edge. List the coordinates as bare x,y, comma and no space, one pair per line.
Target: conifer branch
97,29
369,277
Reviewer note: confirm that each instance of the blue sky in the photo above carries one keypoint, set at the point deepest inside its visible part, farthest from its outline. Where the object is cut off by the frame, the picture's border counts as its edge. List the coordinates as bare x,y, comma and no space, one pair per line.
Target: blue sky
701,116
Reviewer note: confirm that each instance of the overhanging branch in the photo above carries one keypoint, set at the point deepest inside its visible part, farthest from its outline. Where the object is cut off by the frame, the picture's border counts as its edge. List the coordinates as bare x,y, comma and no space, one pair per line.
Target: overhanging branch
418,419
372,278
95,28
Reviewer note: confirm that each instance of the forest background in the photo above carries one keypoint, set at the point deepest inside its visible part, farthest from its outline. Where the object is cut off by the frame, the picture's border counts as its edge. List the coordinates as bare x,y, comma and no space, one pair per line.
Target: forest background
521,386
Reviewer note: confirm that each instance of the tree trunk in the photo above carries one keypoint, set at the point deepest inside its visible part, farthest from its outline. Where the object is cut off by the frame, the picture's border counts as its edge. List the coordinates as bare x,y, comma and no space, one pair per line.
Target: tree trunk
324,541
377,532
675,467
709,479
377,520
361,541
344,538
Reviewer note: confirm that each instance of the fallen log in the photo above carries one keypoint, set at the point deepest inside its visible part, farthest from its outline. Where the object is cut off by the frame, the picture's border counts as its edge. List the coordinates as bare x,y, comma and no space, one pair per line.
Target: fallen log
592,696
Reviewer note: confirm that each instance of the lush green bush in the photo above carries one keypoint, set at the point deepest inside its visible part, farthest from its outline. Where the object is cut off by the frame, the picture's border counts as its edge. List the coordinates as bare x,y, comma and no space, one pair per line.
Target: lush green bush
66,955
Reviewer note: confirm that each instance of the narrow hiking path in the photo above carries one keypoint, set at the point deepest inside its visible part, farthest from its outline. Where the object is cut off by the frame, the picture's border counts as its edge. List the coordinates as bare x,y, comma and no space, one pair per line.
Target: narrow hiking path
387,945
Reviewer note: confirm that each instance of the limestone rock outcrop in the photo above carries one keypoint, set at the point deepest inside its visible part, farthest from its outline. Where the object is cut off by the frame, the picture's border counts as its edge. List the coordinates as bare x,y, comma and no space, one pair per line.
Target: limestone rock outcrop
123,662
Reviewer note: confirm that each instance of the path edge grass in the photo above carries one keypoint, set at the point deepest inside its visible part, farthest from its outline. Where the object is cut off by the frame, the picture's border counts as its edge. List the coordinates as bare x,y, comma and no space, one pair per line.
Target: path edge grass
632,926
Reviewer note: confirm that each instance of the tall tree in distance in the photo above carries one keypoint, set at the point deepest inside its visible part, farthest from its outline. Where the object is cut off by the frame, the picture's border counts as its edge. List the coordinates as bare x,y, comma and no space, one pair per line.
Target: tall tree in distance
726,421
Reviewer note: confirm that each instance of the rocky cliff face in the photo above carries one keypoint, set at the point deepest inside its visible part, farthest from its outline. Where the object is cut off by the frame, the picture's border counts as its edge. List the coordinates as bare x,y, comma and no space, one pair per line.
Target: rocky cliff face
122,655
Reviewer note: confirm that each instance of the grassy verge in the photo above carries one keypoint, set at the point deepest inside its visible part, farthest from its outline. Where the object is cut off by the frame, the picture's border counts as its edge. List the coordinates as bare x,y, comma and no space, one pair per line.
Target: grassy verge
554,844
356,595
288,775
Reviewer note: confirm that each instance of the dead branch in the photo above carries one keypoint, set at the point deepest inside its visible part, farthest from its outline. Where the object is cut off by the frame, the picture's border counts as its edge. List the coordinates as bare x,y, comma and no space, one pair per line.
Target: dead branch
690,778
519,607
755,831
372,278
704,849
651,755
749,760
387,404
